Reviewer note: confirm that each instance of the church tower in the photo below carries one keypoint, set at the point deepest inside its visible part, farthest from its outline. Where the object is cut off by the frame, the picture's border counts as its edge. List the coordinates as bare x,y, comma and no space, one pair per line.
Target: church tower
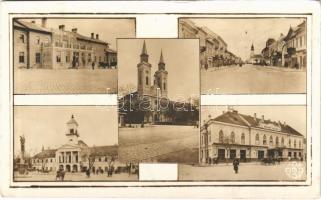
72,131
161,76
252,51
144,73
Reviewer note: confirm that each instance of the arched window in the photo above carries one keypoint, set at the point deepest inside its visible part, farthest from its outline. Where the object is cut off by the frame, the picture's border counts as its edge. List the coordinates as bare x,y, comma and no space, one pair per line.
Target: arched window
271,140
277,141
294,143
221,136
146,80
243,138
264,140
289,142
232,137
282,141
164,86
257,139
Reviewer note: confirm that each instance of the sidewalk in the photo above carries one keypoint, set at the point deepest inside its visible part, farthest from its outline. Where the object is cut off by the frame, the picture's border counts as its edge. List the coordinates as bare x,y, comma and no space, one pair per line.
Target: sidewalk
284,69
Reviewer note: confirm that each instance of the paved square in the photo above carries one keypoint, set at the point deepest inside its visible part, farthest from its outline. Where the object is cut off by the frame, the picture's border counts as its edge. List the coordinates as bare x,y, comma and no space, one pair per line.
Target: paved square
251,79
65,81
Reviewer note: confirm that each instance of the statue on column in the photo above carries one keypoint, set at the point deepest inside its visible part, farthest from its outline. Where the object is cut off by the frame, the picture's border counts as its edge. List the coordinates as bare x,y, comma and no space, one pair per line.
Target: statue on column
22,164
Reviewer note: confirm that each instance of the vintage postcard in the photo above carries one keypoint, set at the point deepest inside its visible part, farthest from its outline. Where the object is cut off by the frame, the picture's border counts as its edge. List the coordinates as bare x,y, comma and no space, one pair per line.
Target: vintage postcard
67,55
68,143
158,90
251,143
257,56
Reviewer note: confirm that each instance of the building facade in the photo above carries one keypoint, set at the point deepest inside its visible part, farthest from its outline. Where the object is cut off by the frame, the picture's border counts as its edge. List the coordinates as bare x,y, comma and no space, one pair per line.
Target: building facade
37,46
75,155
213,49
249,138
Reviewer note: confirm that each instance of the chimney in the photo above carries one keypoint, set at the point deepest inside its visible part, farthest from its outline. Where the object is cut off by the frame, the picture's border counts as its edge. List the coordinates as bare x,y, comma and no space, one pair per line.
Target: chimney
62,27
97,36
44,22
263,117
74,30
255,116
33,21
92,35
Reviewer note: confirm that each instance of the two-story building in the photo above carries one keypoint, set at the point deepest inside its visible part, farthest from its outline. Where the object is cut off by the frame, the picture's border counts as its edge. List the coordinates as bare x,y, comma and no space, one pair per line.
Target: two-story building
234,135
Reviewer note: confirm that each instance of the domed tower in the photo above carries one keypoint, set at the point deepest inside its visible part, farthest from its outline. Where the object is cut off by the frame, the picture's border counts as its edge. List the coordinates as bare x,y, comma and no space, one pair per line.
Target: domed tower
144,73
72,131
161,76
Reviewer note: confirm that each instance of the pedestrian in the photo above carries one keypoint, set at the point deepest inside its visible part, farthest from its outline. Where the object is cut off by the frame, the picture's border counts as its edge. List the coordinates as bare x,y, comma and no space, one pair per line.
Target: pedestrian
236,165
93,65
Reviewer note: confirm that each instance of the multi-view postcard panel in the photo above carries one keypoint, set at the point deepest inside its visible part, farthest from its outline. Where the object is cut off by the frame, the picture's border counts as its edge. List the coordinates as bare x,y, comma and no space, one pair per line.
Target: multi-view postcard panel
251,143
67,55
68,143
159,117
158,82
250,55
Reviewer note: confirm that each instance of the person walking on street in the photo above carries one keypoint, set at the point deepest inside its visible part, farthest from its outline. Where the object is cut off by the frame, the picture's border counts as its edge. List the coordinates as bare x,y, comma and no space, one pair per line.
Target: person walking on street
236,165
93,65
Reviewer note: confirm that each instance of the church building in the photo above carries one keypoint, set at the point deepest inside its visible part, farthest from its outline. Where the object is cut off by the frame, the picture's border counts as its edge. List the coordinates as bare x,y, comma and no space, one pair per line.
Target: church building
75,155
150,103
255,58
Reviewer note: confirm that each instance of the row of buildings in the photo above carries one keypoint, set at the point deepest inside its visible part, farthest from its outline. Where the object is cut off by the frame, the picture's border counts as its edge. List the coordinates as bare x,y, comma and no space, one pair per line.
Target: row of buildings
75,155
38,46
213,49
250,138
289,50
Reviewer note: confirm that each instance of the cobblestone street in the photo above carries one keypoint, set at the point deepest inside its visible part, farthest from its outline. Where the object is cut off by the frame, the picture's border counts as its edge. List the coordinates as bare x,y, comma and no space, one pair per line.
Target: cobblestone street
252,79
247,171
150,143
69,81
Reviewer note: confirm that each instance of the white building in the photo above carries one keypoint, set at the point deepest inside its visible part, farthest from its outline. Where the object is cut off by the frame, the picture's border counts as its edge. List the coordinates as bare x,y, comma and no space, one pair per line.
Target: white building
75,155
249,138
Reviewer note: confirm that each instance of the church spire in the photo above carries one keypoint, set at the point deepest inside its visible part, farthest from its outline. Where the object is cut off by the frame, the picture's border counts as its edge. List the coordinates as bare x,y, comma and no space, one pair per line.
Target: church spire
252,47
144,55
161,64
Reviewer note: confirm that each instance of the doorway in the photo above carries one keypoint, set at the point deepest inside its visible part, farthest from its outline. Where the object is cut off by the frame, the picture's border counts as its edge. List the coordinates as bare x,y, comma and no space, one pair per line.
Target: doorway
243,155
221,154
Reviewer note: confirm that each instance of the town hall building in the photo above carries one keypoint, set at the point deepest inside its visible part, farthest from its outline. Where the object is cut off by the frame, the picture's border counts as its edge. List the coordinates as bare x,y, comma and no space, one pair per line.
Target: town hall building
249,138
75,155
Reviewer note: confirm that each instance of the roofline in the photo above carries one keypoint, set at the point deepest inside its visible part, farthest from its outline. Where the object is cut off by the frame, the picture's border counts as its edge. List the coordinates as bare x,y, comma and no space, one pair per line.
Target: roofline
30,29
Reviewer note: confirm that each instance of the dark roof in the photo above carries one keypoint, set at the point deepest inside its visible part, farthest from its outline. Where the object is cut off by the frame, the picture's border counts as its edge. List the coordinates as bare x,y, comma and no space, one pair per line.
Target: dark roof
104,150
111,51
49,153
31,26
82,37
233,117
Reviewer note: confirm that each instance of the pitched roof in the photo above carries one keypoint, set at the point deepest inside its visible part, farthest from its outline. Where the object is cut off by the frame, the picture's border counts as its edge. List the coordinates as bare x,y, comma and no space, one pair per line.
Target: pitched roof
104,150
49,153
111,50
31,26
82,37
233,117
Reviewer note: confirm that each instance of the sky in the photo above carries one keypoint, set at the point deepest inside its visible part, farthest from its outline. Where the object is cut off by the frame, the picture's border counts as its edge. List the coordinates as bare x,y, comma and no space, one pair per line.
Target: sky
294,116
46,125
239,34
108,29
180,56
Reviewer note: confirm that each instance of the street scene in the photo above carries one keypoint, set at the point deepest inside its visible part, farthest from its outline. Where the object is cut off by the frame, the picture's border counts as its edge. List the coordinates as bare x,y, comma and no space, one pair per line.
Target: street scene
67,55
250,59
67,148
250,143
158,114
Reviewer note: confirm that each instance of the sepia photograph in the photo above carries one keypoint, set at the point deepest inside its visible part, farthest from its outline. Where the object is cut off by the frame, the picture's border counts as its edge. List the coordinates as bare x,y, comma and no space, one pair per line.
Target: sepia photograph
68,143
250,55
67,55
250,143
158,100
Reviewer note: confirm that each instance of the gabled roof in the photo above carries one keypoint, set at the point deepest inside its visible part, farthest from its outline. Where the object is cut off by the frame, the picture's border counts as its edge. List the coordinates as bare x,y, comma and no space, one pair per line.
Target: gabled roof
82,37
49,153
104,150
31,26
233,117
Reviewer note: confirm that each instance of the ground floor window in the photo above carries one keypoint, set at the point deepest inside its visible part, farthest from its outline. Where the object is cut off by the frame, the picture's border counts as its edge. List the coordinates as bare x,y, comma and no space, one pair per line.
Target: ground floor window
37,57
21,57
58,57
232,154
290,154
